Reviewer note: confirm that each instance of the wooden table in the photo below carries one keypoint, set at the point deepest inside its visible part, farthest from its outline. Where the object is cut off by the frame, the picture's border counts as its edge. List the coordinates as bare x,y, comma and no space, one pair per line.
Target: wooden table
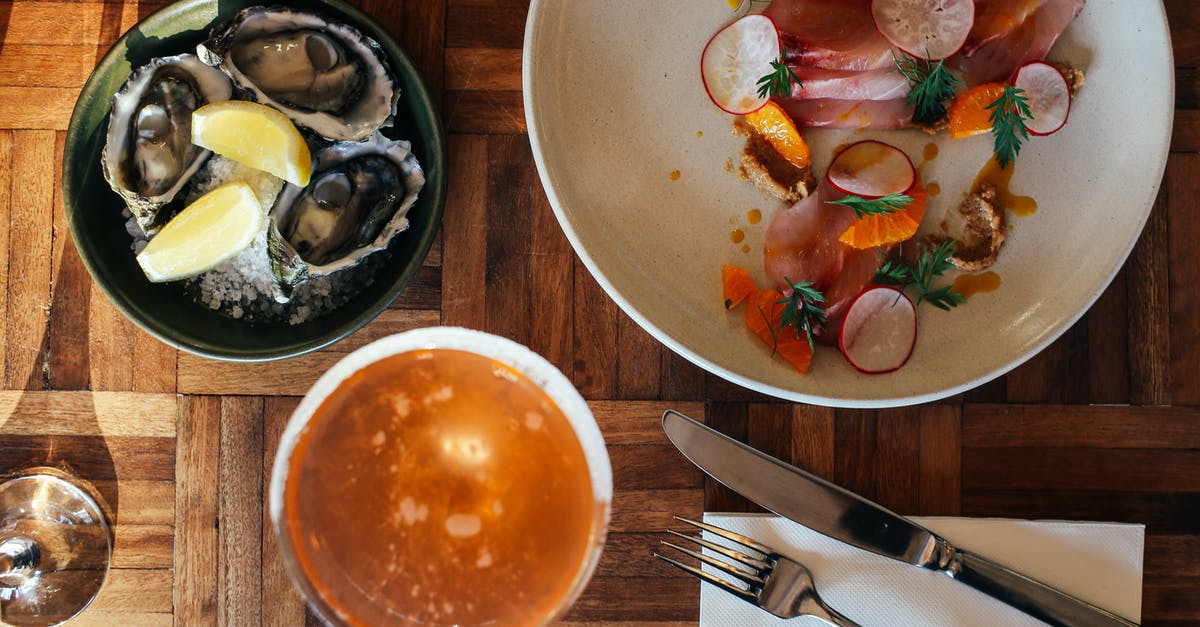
1104,424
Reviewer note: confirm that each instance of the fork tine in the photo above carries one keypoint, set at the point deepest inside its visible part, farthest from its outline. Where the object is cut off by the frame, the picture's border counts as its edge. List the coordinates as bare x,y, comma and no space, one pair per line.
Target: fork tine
742,558
751,578
741,593
728,535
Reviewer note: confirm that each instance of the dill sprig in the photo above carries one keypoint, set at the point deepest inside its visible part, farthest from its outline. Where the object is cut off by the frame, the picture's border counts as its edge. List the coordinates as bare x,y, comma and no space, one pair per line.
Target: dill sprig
932,264
778,83
1009,113
863,207
802,310
932,86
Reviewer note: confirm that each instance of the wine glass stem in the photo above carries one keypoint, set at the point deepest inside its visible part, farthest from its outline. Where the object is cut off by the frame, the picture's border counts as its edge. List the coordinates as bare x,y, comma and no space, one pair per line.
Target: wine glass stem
18,558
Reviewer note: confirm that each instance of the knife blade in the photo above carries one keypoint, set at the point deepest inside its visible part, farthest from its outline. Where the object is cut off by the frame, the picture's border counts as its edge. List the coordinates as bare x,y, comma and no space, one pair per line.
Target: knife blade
843,515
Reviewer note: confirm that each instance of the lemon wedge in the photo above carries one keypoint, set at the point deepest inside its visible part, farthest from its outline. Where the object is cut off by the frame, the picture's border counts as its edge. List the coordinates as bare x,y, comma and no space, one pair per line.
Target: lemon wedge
209,232
254,135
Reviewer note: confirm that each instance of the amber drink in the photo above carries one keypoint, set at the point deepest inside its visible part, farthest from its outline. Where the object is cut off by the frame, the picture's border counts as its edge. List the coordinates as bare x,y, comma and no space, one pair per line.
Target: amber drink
441,477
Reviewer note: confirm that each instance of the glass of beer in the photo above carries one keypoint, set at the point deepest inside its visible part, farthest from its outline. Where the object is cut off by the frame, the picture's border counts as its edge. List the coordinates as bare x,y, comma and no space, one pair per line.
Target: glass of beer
441,476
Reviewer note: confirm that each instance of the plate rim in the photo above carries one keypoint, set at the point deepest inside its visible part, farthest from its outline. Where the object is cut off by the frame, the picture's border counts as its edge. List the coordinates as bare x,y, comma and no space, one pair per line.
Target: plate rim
529,99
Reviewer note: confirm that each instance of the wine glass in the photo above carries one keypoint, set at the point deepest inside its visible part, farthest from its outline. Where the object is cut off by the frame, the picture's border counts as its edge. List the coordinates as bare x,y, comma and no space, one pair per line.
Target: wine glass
55,547
477,506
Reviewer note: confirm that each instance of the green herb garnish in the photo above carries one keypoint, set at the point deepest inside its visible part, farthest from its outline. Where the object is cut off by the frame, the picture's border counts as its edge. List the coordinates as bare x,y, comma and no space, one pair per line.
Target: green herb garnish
863,207
932,86
931,264
1009,113
802,310
778,82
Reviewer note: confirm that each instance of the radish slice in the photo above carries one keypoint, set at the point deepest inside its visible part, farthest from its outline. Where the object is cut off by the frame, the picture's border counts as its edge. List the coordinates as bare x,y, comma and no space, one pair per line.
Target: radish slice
735,58
931,29
871,169
879,330
1049,97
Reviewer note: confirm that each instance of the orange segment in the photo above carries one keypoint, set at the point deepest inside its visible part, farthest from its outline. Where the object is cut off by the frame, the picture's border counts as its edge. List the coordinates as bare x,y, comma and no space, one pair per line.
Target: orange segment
888,228
762,318
738,285
774,124
969,114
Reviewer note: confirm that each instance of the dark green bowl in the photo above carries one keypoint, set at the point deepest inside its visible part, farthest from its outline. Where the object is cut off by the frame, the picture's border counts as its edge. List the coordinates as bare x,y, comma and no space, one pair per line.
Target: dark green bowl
164,310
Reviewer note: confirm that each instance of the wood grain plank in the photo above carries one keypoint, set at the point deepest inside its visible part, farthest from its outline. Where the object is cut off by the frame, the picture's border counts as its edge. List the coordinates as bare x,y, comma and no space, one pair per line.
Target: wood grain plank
87,413
1172,555
486,112
1058,374
625,556
6,181
637,422
681,379
197,471
110,345
143,546
1148,304
595,338
1162,512
53,112
652,510
145,502
464,234
510,178
652,466
281,602
156,364
99,459
1184,20
41,65
1112,470
639,361
1185,136
132,592
552,281
1066,426
1108,345
769,429
505,26
855,442
486,69
940,485
812,439
30,225
1183,187
898,459
67,352
239,575
622,600
291,377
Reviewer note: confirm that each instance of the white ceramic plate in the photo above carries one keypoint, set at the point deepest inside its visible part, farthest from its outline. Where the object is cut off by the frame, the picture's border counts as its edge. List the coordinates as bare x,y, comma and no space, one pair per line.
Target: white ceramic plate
614,103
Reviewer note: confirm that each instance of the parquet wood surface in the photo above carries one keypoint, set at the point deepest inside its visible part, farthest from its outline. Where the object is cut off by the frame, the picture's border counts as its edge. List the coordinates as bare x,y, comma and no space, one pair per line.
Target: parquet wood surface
1104,424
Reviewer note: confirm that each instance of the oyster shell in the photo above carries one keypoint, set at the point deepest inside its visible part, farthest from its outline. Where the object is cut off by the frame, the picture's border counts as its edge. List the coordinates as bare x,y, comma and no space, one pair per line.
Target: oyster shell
323,75
357,200
148,154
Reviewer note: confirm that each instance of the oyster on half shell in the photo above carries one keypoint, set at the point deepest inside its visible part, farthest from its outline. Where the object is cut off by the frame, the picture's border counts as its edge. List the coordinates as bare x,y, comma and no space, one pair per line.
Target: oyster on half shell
148,153
357,200
323,75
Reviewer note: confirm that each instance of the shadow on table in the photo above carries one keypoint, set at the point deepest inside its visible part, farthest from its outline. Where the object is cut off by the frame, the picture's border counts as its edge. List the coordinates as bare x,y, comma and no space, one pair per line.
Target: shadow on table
85,458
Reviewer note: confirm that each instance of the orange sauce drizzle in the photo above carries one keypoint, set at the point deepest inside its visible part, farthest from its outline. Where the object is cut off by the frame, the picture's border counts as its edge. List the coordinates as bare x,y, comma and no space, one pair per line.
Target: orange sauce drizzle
971,284
931,151
1021,206
754,216
674,175
737,236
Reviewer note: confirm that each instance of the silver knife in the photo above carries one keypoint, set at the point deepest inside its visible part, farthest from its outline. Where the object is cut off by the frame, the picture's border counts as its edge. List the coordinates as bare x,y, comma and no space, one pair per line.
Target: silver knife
846,516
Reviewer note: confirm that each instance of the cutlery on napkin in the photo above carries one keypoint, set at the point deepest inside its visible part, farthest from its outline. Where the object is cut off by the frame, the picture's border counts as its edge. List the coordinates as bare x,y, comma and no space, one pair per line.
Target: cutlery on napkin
1098,562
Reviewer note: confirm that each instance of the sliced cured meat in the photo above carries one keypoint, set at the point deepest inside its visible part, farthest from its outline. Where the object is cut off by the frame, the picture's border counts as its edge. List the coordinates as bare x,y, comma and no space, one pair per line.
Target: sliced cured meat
881,84
830,34
854,114
996,18
802,245
1030,40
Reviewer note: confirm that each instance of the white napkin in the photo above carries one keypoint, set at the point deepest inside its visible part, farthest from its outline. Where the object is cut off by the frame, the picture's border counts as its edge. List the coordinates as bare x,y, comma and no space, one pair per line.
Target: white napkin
1100,563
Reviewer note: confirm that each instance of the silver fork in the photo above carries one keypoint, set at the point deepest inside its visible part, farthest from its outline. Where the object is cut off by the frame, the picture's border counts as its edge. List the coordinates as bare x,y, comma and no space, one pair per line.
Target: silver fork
774,582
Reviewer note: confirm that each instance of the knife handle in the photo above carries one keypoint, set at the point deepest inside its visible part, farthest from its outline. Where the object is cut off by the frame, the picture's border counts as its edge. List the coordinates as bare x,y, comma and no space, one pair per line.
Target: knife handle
1028,595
